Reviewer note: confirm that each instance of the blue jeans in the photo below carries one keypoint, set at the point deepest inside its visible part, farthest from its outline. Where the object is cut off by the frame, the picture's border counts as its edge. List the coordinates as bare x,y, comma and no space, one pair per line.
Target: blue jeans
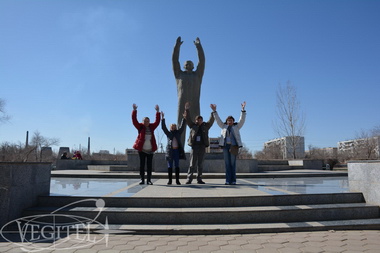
230,165
174,158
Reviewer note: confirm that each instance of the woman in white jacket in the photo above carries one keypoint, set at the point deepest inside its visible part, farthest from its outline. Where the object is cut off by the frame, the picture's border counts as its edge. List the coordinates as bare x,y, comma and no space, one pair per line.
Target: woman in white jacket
230,140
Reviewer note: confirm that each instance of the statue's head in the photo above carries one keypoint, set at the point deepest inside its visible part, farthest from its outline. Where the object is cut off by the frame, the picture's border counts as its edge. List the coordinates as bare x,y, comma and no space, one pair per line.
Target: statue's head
188,66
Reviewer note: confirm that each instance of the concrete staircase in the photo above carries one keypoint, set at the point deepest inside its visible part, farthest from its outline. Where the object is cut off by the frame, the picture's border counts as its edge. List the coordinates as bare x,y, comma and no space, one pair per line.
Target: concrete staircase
216,215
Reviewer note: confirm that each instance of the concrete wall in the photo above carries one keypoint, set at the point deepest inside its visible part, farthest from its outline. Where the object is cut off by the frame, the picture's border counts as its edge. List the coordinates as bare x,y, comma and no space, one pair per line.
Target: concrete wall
313,164
82,164
364,176
20,185
214,163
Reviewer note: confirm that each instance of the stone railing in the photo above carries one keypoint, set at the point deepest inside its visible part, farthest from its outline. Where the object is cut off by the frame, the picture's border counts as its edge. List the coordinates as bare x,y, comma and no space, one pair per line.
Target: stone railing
364,176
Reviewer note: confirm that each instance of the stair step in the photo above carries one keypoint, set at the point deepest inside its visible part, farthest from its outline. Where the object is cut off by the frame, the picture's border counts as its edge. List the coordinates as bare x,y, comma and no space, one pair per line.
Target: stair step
247,228
218,215
230,201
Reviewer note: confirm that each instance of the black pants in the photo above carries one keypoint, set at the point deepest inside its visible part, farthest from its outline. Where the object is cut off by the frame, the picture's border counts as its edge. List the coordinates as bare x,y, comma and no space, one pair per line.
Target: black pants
149,160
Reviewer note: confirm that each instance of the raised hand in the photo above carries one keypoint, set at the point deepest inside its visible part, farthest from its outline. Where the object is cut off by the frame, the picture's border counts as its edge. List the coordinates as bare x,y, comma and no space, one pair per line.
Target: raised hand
243,105
134,107
157,108
213,107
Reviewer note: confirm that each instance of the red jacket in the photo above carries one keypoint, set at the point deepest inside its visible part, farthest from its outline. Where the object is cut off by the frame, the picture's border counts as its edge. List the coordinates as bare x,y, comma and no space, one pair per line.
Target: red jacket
139,143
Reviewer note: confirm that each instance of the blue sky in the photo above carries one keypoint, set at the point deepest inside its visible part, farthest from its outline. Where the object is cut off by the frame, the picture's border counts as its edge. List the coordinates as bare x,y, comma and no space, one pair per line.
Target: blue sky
72,69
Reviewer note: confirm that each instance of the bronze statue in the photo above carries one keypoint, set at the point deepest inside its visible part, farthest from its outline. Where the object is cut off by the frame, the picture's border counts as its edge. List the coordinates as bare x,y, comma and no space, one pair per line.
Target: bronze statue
188,81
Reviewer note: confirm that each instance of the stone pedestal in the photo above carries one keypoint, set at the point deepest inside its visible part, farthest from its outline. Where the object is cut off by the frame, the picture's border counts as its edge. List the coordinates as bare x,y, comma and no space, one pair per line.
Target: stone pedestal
364,176
20,185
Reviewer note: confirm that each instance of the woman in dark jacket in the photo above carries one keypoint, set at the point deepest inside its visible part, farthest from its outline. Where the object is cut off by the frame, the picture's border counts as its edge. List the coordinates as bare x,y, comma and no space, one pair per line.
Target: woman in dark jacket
145,143
174,147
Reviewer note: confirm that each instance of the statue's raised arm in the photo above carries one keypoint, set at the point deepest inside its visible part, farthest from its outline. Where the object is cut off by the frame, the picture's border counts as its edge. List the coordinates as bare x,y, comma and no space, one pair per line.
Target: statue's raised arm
201,58
175,58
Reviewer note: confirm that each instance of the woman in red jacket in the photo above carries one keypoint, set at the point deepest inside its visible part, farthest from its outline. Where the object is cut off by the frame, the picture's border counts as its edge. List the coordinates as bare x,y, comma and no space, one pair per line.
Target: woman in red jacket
145,143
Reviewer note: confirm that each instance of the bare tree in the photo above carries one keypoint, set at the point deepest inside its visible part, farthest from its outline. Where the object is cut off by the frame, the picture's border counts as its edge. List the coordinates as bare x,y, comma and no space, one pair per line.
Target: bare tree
245,153
375,131
38,143
290,120
366,144
3,115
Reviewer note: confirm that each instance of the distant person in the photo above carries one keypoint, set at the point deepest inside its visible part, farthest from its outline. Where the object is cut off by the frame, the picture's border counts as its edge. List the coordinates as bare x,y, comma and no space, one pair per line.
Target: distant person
77,155
145,142
64,156
230,140
198,140
174,147
188,81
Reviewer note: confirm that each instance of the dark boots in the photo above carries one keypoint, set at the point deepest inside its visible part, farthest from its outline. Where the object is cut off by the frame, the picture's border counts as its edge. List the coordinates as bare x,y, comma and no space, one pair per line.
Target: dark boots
170,175
142,181
148,178
177,176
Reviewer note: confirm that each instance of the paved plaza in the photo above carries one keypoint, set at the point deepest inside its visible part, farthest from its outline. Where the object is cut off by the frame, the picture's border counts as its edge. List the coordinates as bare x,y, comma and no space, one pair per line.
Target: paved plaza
321,241
327,241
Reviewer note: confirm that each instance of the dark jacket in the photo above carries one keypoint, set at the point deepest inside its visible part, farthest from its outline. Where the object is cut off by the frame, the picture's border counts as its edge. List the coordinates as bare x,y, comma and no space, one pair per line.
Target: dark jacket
171,135
139,143
204,127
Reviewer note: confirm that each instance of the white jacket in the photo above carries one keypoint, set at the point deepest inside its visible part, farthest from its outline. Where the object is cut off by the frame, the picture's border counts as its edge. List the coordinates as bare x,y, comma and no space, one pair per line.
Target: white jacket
235,127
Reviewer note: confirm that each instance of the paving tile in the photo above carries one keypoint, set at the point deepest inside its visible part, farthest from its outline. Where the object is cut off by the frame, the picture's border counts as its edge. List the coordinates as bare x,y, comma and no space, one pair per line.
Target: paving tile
280,240
266,251
333,249
293,245
372,251
217,243
289,250
372,247
186,248
336,243
352,248
316,239
85,251
142,248
108,251
298,239
315,244
209,248
238,241
241,251
312,249
252,246
123,247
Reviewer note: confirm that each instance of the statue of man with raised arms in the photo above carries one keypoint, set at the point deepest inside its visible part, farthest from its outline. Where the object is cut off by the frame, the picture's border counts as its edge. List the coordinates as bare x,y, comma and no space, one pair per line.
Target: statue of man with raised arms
188,81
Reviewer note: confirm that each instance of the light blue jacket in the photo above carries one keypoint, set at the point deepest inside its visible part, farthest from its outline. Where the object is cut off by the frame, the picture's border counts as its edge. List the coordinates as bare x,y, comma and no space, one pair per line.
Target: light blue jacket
235,127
